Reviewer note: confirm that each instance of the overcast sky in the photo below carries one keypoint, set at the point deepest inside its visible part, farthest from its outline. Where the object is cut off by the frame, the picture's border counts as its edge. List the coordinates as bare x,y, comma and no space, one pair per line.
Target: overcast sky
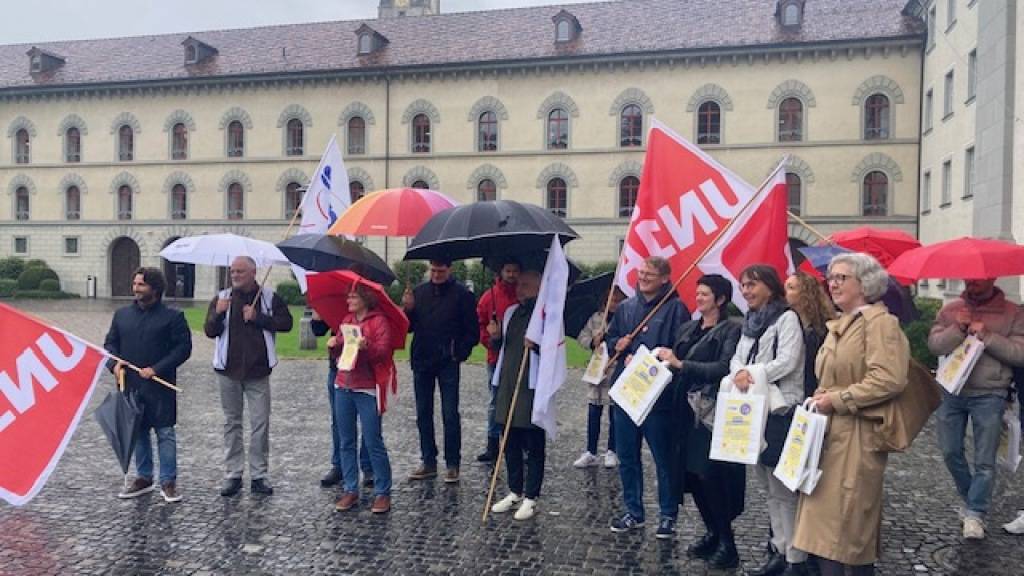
46,20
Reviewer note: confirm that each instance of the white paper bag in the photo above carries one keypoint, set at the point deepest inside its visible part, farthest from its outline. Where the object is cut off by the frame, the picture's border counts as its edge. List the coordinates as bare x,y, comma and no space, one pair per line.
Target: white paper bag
640,384
955,368
739,427
595,373
793,467
1009,443
814,456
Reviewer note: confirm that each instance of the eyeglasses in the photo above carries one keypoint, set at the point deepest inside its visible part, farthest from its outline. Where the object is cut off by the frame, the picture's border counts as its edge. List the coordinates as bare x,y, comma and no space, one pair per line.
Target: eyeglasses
838,278
643,274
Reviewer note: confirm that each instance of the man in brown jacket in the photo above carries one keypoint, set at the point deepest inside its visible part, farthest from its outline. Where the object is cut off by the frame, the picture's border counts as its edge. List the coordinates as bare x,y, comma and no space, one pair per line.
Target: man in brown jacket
984,311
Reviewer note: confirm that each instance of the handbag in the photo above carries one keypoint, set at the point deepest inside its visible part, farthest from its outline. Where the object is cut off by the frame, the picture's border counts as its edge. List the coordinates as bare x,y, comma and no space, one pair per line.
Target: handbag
775,432
703,407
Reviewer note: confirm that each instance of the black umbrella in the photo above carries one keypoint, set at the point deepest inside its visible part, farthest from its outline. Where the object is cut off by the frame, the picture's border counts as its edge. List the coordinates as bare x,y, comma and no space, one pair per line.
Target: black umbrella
120,417
583,299
487,229
323,253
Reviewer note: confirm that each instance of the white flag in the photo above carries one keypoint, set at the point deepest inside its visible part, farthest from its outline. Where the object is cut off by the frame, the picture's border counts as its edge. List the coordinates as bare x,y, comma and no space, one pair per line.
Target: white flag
328,195
547,329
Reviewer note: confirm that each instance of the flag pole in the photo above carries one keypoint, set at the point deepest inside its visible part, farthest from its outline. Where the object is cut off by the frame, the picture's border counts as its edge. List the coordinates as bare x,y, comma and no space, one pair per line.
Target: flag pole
504,435
808,227
287,231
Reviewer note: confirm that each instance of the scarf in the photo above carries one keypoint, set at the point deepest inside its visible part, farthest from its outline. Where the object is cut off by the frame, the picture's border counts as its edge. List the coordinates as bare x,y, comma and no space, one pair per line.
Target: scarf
757,321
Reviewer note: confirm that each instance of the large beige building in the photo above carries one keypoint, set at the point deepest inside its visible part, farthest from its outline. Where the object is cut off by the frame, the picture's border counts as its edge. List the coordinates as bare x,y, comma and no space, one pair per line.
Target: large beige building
116,147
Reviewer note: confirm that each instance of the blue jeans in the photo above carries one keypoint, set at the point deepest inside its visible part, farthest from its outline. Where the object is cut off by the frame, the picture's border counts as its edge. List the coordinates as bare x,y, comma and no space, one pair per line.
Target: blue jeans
659,430
447,380
348,406
167,451
986,414
364,455
493,428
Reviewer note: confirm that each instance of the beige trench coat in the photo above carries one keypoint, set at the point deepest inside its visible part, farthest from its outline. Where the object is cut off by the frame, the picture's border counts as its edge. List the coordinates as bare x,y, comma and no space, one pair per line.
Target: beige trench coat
863,362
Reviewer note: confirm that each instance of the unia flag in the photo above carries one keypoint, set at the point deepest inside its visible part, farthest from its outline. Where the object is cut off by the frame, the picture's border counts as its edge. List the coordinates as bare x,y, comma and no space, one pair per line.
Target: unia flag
46,379
685,200
547,329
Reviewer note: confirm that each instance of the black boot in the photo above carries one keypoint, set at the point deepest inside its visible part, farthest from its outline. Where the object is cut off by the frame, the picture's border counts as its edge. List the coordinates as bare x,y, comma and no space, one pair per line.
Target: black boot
799,569
725,556
704,547
773,566
491,453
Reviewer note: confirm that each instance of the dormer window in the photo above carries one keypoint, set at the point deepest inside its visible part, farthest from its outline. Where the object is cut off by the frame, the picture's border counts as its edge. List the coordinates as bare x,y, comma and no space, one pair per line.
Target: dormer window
369,40
790,13
567,27
197,51
42,61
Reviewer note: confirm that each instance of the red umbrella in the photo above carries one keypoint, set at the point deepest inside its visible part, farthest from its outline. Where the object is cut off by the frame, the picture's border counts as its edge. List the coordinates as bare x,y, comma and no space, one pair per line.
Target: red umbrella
393,212
328,295
963,258
884,245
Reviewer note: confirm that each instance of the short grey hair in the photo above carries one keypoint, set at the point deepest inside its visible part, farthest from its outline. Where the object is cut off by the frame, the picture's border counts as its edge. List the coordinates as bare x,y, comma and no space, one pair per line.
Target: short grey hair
874,280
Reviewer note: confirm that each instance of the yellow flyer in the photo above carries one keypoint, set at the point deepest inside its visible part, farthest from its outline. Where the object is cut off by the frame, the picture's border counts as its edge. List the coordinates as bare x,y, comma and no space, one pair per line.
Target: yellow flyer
640,384
597,365
794,454
351,337
739,428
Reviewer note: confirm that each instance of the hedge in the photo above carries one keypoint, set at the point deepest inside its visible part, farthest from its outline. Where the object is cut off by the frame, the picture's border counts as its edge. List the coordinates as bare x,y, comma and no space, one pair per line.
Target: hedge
31,277
50,285
8,287
917,331
11,268
290,292
41,295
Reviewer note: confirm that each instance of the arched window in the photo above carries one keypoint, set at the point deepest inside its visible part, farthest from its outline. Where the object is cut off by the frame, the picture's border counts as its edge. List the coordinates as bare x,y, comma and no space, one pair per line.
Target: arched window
21,147
487,132
631,127
421,134
190,53
179,202
486,190
72,203
292,199
791,120
236,202
558,198
124,203
21,203
709,123
628,189
562,31
294,138
356,190
356,135
794,191
558,129
422,185
179,142
876,117
365,43
72,145
125,144
236,139
876,194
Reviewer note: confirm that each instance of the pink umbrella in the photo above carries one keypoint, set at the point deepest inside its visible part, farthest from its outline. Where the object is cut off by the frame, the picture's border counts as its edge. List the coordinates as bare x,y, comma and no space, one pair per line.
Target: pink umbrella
392,212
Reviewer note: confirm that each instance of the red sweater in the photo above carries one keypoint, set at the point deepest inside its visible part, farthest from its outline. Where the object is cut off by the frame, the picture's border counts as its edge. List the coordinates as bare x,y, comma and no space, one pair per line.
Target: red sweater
495,301
376,330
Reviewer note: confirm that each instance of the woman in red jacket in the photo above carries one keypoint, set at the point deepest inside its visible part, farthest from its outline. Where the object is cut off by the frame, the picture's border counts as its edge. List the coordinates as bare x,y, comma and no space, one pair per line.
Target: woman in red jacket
356,396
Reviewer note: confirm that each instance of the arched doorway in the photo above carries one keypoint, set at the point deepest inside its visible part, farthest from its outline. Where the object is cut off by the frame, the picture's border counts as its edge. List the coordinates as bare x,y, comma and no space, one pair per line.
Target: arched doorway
181,278
124,261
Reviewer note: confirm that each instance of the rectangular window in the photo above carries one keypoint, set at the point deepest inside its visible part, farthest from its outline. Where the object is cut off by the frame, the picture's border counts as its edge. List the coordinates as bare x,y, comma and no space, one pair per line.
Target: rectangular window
947,183
71,245
929,105
21,245
972,74
926,192
950,13
947,102
931,28
969,173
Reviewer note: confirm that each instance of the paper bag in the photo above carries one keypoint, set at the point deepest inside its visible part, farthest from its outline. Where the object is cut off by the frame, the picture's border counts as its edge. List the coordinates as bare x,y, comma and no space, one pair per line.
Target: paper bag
814,454
739,427
955,368
595,372
800,453
1009,443
351,335
640,384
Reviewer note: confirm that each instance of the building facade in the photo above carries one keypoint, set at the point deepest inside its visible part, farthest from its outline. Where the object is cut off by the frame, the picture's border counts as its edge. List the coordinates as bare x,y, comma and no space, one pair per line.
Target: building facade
105,164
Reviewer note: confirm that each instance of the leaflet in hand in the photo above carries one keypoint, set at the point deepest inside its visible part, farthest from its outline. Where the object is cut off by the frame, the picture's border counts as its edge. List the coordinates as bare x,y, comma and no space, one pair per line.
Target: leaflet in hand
351,335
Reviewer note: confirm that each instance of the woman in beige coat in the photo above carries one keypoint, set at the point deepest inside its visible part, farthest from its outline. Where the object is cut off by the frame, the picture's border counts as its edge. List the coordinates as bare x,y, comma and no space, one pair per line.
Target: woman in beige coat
862,363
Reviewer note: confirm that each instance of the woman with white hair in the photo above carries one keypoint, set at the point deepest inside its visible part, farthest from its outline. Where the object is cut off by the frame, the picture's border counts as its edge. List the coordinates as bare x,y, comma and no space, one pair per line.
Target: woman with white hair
863,362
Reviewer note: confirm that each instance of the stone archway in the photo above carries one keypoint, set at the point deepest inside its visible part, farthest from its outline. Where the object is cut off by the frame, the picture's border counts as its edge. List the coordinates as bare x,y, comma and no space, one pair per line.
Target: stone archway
124,261
181,278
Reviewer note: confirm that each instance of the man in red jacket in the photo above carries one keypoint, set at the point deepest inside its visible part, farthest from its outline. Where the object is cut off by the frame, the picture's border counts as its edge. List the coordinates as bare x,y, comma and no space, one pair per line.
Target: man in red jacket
489,312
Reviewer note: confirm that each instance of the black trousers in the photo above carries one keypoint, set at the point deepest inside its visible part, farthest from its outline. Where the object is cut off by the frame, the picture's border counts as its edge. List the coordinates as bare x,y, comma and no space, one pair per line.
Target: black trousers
718,496
525,445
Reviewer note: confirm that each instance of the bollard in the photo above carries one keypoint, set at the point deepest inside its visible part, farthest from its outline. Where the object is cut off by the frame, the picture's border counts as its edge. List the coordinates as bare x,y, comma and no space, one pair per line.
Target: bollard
307,341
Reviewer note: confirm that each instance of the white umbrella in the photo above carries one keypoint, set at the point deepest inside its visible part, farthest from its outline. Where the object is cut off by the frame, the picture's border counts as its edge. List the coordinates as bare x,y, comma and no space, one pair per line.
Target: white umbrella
221,249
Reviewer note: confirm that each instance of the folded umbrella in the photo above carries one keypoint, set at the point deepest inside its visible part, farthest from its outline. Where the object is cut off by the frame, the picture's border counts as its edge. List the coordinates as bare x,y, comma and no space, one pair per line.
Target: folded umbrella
583,300
323,253
221,250
963,258
120,418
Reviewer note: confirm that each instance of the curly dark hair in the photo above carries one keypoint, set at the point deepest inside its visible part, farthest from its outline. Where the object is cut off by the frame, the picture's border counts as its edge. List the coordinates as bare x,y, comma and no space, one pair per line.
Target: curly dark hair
153,278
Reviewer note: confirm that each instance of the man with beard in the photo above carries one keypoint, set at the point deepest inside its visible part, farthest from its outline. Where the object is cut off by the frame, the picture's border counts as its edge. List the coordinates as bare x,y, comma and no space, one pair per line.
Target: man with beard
490,311
156,339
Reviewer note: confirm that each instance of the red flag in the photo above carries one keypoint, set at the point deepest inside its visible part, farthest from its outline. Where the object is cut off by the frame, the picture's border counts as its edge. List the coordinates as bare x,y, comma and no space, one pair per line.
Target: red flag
46,379
684,201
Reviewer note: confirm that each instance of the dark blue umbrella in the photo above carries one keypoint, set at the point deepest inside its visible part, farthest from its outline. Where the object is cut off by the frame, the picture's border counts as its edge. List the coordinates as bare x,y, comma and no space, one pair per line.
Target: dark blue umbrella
820,256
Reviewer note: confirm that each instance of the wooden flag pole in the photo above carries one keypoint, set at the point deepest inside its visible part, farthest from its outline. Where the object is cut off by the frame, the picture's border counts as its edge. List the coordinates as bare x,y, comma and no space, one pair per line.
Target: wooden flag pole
504,436
809,228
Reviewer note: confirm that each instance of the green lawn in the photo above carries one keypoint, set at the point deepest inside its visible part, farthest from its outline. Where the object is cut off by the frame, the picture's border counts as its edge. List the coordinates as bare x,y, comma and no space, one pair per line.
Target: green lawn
288,344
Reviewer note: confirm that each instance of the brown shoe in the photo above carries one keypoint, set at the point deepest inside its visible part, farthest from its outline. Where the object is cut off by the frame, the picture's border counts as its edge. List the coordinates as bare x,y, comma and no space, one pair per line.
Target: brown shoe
423,472
451,475
381,505
170,492
347,501
137,488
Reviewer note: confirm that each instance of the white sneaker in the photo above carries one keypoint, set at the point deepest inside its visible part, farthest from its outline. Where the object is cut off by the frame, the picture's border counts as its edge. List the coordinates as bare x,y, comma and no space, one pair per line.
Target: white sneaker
506,503
1017,526
586,460
610,459
974,528
526,510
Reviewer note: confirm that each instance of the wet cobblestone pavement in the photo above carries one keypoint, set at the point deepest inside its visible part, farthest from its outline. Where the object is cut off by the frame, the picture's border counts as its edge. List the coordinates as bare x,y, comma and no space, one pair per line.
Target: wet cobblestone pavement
77,525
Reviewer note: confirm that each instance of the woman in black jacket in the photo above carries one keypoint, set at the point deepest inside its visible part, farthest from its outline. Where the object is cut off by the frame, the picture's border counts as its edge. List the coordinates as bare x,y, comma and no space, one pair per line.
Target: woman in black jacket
699,360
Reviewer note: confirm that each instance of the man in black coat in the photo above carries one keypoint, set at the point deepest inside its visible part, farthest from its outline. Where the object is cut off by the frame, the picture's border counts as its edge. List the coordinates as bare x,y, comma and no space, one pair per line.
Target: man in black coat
442,317
156,339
